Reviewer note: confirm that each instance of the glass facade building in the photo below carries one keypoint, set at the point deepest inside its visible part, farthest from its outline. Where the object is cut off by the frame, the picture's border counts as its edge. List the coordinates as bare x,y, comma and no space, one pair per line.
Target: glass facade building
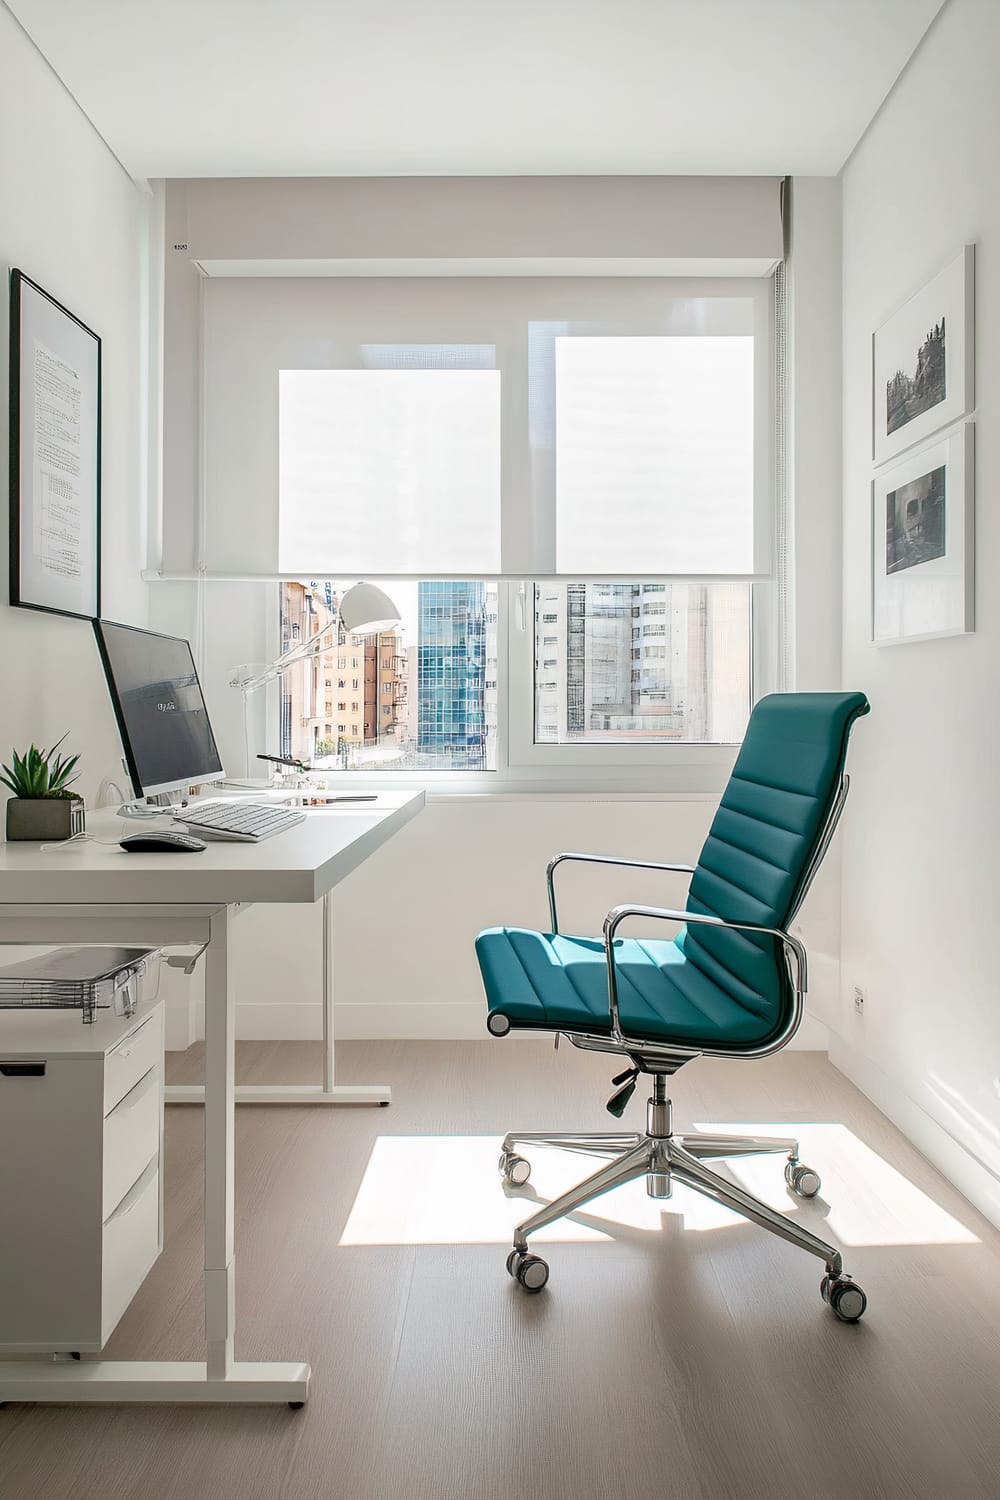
451,673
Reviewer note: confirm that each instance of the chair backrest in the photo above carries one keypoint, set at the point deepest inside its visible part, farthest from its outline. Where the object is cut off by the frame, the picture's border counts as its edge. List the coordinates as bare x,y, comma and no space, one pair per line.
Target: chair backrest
762,846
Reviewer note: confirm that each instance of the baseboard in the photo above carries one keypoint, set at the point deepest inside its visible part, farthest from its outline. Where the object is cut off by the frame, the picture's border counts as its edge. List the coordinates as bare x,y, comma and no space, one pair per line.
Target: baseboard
812,1036
401,1021
970,1175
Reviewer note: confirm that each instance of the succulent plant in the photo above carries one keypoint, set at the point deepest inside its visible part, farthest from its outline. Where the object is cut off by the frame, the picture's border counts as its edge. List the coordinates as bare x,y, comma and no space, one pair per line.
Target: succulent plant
40,773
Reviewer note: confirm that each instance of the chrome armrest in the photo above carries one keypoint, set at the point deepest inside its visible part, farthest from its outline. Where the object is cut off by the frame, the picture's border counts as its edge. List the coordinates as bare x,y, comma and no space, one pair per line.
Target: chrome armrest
601,859
795,957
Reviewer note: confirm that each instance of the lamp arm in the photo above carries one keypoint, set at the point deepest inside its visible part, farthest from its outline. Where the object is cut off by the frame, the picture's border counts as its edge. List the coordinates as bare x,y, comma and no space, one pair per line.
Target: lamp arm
300,652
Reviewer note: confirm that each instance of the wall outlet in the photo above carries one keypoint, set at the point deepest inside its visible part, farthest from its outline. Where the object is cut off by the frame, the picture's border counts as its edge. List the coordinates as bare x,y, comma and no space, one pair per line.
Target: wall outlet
859,1000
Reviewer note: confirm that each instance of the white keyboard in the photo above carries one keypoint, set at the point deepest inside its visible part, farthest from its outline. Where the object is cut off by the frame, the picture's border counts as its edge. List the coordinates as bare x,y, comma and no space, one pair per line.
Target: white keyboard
247,822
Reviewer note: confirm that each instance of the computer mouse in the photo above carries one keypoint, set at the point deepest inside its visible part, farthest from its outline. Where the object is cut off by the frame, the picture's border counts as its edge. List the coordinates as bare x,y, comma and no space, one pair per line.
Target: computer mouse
161,841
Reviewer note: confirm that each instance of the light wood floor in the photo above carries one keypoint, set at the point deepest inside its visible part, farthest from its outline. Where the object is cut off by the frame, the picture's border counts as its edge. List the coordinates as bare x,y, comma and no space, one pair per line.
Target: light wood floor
680,1364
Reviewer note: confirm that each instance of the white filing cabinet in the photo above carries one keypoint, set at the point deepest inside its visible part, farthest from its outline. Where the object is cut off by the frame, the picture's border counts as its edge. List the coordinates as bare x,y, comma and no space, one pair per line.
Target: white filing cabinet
81,1151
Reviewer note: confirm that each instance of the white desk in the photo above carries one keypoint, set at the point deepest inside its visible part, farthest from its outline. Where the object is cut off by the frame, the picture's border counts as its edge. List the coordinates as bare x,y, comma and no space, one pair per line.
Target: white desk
93,893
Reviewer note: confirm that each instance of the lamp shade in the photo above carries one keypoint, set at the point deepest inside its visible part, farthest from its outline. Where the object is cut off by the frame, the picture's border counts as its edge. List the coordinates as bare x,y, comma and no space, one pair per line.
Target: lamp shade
365,608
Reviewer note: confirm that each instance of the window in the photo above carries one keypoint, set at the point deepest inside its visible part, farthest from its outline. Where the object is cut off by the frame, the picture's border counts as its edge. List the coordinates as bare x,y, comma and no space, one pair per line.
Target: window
364,451
699,691
643,443
442,682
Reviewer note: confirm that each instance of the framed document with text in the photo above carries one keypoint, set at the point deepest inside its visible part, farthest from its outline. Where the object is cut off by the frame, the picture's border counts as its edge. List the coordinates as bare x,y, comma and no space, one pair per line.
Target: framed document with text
55,455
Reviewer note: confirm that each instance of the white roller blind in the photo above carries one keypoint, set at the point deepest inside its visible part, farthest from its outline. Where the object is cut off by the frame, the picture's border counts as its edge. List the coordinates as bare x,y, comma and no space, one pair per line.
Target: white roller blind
655,454
488,427
393,471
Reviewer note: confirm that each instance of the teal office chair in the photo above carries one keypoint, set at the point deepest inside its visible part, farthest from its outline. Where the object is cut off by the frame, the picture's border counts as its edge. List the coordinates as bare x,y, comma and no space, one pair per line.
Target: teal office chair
730,984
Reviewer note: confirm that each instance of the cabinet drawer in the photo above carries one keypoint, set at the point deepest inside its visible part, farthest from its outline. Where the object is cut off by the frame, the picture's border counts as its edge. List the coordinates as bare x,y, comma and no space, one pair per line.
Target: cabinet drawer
131,1245
131,1137
131,1060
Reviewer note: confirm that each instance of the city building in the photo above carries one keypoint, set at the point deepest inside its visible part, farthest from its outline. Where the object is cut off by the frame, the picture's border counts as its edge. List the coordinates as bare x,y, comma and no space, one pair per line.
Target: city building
456,657
344,703
640,661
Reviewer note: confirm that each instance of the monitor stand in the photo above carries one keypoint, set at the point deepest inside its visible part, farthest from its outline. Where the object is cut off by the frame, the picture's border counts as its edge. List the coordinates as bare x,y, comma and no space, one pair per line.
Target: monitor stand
156,805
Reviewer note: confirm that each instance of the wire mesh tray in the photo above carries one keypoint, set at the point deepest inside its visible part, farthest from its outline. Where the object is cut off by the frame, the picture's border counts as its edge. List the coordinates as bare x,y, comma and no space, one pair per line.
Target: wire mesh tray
88,979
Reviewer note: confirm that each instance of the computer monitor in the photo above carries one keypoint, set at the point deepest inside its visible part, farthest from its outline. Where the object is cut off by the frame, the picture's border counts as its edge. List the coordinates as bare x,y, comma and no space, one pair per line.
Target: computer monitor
162,718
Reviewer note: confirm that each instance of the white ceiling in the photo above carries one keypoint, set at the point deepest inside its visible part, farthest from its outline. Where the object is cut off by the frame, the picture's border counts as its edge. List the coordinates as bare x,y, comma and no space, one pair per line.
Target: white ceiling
186,88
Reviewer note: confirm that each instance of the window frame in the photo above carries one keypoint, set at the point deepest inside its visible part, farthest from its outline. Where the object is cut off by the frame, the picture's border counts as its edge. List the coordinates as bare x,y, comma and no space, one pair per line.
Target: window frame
665,769
608,759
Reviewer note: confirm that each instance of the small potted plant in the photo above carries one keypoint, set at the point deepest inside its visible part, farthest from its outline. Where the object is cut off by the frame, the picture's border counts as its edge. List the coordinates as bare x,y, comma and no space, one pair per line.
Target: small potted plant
42,807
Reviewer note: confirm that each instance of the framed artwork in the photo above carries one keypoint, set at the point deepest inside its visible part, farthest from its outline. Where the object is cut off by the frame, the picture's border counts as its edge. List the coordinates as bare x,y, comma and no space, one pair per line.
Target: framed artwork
923,361
55,455
922,541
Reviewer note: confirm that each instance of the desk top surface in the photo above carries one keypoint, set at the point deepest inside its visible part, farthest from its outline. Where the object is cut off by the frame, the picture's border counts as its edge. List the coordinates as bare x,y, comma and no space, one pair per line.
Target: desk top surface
299,865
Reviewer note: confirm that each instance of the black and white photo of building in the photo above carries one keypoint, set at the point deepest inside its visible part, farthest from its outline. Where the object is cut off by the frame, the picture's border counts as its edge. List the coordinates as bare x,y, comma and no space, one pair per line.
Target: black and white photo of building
909,396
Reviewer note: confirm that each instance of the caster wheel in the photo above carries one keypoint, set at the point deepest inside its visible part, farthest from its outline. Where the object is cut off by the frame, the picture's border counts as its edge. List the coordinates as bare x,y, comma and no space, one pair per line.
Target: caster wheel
845,1297
803,1181
514,1169
296,1405
529,1271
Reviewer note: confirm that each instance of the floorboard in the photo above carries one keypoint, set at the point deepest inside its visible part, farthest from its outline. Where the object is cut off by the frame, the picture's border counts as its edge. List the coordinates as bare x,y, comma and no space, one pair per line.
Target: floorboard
673,1355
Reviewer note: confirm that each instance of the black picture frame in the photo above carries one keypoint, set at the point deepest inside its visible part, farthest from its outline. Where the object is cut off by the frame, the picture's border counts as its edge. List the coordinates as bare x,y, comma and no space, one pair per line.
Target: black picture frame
44,580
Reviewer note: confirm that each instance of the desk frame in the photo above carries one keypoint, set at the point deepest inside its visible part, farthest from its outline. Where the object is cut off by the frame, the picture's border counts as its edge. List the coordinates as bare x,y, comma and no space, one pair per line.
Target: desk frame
327,1092
220,1378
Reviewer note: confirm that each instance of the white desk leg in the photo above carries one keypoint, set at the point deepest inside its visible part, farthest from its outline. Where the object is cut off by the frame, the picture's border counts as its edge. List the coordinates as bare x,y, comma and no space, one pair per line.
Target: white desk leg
220,1155
328,1061
327,1092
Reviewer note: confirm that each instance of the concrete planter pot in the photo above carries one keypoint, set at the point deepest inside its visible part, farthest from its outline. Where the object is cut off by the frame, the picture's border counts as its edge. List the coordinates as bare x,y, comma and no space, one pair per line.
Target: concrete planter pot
39,820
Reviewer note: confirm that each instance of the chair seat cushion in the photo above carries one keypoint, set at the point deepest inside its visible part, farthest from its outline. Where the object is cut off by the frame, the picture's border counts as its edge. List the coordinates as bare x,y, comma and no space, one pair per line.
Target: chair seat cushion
557,982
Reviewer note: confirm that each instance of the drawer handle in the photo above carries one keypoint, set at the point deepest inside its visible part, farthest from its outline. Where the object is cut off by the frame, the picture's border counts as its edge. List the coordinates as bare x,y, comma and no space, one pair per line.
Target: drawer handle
136,1191
135,1095
125,1050
22,1069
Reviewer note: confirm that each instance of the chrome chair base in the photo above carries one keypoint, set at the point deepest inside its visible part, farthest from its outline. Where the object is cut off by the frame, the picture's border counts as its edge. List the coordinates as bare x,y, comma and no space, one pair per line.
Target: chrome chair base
664,1158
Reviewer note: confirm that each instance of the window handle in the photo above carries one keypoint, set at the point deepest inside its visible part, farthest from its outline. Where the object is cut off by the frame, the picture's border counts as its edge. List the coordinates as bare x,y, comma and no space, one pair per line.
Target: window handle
522,595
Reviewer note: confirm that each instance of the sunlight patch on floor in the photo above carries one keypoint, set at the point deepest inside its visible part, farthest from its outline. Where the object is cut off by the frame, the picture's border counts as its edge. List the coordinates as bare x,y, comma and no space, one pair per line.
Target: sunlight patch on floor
446,1190
863,1200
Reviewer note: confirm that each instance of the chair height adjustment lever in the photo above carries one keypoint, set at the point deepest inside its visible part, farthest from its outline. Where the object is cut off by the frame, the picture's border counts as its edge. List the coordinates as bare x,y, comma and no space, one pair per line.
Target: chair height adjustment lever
616,1105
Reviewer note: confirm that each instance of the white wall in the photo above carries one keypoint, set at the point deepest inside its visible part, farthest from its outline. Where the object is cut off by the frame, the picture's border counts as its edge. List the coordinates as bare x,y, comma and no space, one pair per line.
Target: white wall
74,222
921,846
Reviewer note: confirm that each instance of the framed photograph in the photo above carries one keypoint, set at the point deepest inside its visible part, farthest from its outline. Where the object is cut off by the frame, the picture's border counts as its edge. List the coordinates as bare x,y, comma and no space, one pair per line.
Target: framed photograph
922,541
923,361
55,455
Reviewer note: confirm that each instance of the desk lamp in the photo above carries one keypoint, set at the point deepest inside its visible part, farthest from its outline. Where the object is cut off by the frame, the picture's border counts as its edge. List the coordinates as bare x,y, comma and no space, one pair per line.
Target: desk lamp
363,610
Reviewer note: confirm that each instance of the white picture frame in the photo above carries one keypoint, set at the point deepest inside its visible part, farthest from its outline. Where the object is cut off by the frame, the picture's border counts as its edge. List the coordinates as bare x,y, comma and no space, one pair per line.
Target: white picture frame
923,361
923,541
